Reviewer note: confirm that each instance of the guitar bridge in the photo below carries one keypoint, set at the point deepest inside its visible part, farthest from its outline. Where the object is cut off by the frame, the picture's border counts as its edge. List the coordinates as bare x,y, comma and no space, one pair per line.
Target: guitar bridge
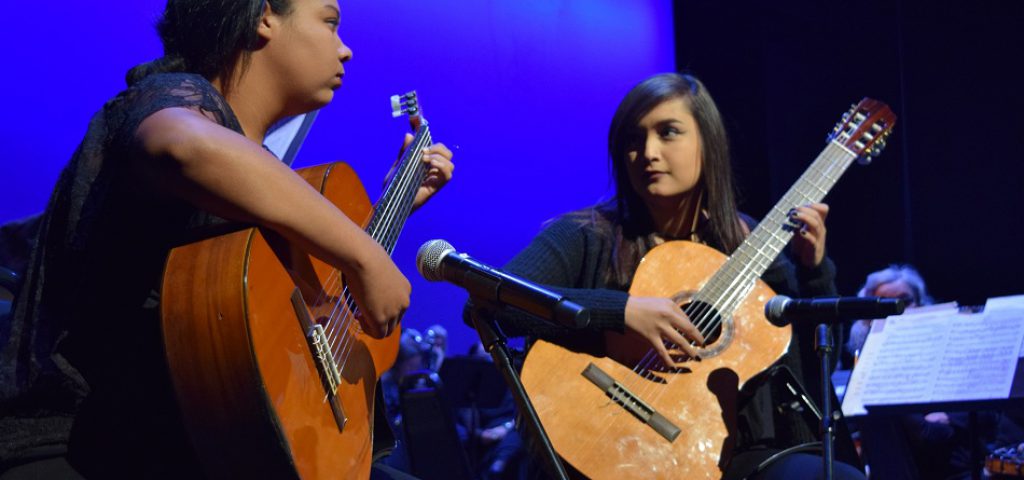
324,358
320,348
629,401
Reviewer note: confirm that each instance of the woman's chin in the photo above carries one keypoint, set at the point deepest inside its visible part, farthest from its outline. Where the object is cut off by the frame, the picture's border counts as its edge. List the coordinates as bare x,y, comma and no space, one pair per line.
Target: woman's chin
323,98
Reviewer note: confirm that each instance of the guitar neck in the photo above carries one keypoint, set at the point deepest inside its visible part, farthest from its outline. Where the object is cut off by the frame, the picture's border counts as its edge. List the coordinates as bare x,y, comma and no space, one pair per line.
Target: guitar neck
730,284
395,205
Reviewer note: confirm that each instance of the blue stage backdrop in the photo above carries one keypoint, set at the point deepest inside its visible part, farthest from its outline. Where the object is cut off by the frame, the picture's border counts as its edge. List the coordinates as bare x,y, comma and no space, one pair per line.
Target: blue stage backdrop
521,90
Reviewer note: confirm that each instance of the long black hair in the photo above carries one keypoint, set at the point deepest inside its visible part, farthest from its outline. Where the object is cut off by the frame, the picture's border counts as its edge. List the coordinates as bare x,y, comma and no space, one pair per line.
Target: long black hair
207,37
626,216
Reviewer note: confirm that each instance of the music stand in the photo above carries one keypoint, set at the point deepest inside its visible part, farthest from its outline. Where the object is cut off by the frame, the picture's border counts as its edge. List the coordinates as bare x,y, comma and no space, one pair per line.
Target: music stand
472,382
942,359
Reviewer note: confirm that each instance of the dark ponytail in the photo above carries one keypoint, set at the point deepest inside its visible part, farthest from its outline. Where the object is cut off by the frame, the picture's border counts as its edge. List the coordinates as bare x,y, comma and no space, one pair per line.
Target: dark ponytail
207,37
160,65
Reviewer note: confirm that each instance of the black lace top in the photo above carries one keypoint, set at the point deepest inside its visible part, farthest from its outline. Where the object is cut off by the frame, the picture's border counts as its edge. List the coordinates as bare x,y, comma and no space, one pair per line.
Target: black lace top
85,332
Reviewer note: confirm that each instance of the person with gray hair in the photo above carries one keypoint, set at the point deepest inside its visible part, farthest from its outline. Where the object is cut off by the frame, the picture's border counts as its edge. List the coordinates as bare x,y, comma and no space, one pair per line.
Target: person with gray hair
897,281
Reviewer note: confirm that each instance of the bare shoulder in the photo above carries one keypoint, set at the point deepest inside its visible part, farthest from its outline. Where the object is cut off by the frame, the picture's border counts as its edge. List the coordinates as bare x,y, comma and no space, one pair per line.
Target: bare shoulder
169,131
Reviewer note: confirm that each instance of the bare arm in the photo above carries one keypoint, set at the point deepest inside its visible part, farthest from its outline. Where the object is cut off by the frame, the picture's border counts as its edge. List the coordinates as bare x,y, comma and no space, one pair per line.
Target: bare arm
228,175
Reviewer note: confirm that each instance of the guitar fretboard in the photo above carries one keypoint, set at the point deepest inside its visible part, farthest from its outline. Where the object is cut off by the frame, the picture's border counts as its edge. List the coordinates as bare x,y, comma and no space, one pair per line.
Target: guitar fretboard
726,289
395,204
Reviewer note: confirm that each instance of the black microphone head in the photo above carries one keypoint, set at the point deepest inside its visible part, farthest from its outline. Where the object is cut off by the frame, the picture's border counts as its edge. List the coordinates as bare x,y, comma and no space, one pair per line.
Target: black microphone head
776,307
892,306
428,259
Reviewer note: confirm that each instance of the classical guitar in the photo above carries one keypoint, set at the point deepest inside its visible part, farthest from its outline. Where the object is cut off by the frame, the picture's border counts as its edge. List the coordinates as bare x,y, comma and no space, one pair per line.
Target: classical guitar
627,415
274,376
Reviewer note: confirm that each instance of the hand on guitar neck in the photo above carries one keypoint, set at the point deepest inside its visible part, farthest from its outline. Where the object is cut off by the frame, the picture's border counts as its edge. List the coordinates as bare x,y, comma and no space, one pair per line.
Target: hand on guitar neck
809,242
438,159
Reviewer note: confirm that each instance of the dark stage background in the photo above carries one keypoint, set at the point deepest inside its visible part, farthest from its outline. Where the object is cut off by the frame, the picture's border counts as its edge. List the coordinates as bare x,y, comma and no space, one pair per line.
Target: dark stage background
946,194
524,90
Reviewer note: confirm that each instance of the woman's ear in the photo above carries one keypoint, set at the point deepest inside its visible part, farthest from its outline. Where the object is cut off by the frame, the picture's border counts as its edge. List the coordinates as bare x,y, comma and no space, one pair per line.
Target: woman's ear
269,23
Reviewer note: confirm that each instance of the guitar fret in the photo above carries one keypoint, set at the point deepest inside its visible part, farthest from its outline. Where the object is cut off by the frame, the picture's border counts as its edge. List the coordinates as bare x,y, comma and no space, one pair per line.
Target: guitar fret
395,204
724,289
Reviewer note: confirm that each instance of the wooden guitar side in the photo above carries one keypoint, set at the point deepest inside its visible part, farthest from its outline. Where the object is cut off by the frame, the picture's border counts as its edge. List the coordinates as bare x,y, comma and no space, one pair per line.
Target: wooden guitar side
604,441
245,379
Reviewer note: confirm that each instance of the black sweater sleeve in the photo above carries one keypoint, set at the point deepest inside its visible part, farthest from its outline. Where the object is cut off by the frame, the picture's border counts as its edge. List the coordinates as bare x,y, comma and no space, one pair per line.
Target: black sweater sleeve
563,258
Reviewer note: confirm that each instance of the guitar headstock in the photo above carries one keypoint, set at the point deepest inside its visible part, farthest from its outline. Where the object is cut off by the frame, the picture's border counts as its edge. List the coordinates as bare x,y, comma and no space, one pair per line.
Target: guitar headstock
407,104
864,128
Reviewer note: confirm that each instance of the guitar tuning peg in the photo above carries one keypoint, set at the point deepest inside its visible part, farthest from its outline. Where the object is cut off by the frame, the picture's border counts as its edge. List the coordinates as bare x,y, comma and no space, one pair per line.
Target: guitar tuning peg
404,104
396,106
877,149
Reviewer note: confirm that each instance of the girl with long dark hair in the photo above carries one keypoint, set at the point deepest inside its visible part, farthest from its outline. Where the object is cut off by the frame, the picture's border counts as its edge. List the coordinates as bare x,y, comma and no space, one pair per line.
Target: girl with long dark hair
673,181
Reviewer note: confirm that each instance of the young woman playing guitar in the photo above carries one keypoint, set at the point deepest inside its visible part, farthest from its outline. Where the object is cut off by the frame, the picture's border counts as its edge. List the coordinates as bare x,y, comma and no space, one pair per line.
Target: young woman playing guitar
175,154
670,160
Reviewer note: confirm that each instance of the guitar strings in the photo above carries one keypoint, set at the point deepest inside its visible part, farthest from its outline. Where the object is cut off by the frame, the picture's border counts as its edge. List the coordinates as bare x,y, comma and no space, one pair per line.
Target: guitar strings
411,175
701,313
644,389
394,219
403,212
331,325
341,349
710,318
729,297
378,224
707,315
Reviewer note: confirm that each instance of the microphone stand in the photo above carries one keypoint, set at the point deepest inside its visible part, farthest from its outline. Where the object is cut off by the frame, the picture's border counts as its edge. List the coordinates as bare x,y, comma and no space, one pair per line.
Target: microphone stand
823,345
867,308
494,341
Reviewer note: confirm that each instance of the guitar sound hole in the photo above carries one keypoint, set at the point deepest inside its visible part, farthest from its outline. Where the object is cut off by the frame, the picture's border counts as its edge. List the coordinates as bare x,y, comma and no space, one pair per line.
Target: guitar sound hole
705,317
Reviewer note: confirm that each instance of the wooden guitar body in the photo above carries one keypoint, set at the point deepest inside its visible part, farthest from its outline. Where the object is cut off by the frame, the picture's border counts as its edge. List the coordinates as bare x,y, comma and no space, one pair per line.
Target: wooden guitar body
245,374
601,438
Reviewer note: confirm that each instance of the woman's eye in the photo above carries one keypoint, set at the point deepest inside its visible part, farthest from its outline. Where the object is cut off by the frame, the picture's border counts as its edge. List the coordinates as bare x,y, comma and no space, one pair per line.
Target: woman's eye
669,132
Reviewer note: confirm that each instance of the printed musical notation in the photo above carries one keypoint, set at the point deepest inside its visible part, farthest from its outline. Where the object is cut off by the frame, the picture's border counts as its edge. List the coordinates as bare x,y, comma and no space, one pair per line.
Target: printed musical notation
937,354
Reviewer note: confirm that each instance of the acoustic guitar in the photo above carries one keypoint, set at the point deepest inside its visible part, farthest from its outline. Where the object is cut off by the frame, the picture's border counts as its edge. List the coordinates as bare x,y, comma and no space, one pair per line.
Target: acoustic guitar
627,415
274,375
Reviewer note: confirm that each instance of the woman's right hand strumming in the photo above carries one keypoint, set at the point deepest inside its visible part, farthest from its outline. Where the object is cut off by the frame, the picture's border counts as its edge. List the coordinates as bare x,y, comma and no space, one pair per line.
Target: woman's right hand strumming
380,291
658,320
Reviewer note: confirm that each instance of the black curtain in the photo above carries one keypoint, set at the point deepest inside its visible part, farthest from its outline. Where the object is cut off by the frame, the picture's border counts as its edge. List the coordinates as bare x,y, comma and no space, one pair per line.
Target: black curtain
946,194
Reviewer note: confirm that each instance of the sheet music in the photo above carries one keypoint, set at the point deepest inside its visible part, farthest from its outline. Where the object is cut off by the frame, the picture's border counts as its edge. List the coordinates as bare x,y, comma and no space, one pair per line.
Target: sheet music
1011,305
281,135
286,137
938,354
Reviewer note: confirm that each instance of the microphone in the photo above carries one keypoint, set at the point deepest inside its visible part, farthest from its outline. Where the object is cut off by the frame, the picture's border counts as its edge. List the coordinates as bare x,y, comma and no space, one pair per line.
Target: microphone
438,260
832,309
